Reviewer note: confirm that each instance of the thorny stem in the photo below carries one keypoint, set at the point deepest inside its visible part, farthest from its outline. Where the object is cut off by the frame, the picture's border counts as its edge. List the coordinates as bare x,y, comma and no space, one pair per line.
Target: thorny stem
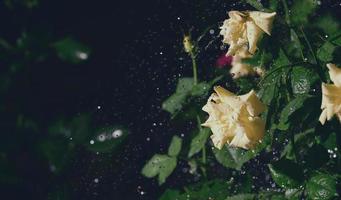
309,46
194,66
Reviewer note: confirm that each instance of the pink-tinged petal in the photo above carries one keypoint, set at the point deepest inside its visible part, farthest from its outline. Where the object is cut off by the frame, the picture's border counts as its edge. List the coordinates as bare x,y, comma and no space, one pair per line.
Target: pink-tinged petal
224,61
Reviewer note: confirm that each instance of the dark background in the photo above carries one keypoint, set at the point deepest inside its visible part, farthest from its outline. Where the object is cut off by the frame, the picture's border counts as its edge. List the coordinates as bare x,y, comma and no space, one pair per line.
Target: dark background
135,60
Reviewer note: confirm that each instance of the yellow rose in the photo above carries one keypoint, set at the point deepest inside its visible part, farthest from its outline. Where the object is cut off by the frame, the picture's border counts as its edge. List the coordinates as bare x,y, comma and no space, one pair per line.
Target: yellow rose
243,29
331,95
233,119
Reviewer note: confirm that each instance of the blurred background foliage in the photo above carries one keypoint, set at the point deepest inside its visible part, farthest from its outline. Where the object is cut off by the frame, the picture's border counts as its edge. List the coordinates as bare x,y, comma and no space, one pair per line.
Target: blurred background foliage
81,91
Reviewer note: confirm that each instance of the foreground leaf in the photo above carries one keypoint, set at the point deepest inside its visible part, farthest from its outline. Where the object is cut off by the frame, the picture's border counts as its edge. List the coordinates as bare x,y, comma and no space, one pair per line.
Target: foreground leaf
286,173
161,165
213,189
289,109
303,80
198,142
325,52
177,101
232,157
175,146
321,187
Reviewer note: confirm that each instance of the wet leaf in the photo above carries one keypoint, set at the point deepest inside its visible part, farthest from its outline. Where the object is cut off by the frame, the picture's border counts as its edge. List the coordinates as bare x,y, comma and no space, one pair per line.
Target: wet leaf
199,141
302,10
177,101
303,80
289,109
231,157
286,173
175,146
325,52
72,51
212,189
321,186
161,165
242,197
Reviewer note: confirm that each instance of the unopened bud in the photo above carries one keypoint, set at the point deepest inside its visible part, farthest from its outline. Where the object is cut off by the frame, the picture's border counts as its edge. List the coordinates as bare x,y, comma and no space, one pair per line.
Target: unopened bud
188,46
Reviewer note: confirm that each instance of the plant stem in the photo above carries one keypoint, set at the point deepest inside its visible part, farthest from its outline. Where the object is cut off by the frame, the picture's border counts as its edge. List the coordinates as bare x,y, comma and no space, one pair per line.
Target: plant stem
194,66
286,11
309,46
203,151
204,159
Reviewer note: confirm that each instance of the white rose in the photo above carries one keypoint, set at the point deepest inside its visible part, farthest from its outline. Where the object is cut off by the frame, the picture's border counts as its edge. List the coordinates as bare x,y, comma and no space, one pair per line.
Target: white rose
331,95
233,119
243,29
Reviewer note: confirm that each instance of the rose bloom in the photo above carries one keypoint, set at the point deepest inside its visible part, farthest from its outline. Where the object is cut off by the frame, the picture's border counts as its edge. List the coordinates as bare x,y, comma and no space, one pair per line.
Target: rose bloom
234,120
243,30
331,95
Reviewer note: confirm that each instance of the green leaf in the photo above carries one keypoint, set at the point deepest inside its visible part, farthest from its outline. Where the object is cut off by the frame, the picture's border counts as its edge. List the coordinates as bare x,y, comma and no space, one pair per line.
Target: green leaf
286,173
161,165
107,139
175,146
212,189
316,157
256,4
303,79
303,142
171,194
185,93
325,52
330,142
201,89
245,84
199,141
289,109
71,50
321,186
282,59
328,24
296,43
242,197
231,157
302,10
177,101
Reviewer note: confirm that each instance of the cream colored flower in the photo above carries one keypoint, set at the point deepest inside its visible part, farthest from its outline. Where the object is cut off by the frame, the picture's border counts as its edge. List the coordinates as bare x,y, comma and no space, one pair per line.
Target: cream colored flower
243,30
233,119
331,95
240,69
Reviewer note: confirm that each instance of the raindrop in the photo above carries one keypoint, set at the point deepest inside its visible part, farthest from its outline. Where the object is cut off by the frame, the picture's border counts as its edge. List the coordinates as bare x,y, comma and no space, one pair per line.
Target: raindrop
92,142
117,133
101,138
